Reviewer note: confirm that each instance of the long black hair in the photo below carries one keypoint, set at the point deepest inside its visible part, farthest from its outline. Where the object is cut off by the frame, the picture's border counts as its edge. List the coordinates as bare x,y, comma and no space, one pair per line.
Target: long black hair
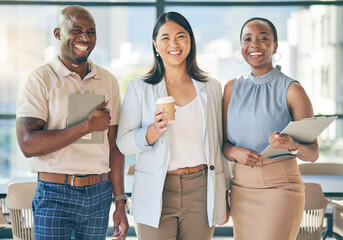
156,74
264,20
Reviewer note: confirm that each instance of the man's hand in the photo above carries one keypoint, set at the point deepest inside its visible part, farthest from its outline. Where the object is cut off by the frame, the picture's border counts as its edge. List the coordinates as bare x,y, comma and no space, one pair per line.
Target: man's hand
120,223
99,119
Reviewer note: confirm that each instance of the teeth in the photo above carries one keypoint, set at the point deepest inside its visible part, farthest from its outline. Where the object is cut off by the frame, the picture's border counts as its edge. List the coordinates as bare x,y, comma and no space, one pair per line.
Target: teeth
255,54
174,52
81,48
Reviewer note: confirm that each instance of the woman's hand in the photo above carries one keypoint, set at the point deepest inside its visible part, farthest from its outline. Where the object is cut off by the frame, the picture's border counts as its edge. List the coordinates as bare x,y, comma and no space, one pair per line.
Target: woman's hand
159,126
228,210
281,141
245,156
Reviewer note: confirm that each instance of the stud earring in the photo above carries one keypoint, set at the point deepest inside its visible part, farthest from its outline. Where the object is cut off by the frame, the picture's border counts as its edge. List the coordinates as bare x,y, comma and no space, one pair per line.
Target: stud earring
157,55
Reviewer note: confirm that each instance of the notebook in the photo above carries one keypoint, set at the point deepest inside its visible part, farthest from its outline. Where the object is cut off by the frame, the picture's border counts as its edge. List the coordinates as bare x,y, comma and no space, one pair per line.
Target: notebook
79,108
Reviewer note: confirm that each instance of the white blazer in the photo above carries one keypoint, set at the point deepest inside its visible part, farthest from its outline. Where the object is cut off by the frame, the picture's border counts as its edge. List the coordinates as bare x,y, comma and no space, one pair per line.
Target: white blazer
136,115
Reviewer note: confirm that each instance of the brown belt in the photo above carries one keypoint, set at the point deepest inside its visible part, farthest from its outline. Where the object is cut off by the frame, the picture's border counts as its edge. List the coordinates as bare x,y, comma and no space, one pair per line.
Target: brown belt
73,180
188,169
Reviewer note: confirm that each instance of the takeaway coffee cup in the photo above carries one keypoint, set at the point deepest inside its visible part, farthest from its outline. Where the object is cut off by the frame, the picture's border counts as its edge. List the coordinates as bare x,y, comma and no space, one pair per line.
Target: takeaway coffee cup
167,103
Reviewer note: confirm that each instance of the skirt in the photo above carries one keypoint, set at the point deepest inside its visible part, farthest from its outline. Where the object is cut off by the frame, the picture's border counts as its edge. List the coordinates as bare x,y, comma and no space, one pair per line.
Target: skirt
267,200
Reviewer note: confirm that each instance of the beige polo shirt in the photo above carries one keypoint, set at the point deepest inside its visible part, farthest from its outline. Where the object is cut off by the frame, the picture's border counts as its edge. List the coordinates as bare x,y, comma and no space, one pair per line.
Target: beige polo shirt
44,95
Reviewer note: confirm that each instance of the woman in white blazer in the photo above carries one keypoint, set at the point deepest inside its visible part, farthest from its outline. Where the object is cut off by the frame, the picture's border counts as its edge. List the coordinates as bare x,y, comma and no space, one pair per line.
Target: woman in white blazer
181,177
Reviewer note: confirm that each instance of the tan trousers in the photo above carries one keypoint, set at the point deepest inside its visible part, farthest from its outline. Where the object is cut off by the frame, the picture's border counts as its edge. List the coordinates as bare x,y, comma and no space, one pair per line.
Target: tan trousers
184,210
267,201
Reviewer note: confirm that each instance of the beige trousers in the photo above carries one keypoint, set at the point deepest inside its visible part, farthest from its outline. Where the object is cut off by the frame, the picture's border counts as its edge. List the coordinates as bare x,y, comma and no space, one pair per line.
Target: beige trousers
184,210
267,201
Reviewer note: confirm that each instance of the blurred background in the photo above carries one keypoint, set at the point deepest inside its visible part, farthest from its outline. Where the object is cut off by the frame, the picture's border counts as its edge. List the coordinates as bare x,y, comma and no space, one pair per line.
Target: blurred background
310,45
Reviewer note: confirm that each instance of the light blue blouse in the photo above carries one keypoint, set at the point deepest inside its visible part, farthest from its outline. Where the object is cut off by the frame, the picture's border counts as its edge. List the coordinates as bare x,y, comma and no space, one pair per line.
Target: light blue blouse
258,107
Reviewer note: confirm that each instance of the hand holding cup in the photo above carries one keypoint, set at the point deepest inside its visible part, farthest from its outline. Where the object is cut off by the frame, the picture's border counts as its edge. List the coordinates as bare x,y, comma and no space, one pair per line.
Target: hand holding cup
167,103
164,114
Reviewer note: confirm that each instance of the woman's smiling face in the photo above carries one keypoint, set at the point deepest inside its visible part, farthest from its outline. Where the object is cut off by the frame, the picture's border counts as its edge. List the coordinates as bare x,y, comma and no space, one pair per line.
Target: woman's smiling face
258,46
173,44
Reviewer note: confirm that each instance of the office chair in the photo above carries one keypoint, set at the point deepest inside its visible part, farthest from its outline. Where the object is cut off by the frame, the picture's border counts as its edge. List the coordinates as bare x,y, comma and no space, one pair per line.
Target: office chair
337,207
315,204
18,200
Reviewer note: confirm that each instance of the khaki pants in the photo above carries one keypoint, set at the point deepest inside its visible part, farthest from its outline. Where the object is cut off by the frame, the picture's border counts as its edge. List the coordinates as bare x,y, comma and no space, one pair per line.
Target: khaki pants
184,210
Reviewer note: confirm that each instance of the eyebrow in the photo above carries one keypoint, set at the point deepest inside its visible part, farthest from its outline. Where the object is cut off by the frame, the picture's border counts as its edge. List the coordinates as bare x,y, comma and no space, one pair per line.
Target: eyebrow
81,27
264,33
248,34
181,32
167,34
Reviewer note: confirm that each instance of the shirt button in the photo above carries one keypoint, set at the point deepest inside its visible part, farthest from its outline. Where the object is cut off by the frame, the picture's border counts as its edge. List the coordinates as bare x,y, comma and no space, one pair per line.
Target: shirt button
212,167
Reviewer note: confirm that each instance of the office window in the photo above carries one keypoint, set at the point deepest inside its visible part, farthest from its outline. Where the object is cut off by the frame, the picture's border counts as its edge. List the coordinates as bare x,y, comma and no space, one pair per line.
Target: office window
325,90
310,45
27,42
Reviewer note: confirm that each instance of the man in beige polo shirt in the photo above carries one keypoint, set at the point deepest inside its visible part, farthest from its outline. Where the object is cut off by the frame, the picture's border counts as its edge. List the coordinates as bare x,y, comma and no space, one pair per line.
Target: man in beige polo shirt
73,151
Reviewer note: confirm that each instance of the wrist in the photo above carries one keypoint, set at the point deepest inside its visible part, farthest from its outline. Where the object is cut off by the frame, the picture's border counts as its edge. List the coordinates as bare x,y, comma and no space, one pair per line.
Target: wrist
120,205
232,156
295,150
86,127
151,135
119,199
155,132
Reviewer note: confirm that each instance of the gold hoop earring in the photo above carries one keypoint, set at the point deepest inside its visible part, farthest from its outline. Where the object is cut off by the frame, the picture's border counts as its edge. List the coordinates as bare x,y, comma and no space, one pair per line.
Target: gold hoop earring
240,59
276,57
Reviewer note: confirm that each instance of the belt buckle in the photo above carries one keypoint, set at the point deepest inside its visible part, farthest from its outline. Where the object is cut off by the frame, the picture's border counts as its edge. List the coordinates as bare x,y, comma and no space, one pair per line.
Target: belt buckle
72,178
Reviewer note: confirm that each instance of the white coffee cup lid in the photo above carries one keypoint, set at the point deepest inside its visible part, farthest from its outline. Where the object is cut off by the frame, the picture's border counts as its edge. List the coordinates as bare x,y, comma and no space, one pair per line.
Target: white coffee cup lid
163,100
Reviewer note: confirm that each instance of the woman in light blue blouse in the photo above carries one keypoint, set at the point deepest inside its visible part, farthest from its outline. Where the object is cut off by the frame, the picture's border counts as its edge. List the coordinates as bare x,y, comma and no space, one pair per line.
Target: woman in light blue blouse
181,177
267,196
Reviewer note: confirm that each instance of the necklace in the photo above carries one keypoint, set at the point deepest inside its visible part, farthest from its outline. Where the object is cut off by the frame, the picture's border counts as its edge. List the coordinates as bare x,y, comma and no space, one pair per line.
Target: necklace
183,80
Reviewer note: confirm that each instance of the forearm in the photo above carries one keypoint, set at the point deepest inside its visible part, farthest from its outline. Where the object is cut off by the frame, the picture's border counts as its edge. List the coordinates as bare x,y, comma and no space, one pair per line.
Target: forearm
227,150
117,163
34,140
38,142
117,176
152,135
308,152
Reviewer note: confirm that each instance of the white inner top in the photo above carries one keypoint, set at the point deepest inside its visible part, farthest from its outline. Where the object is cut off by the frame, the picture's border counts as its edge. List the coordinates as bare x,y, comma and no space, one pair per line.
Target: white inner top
186,148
